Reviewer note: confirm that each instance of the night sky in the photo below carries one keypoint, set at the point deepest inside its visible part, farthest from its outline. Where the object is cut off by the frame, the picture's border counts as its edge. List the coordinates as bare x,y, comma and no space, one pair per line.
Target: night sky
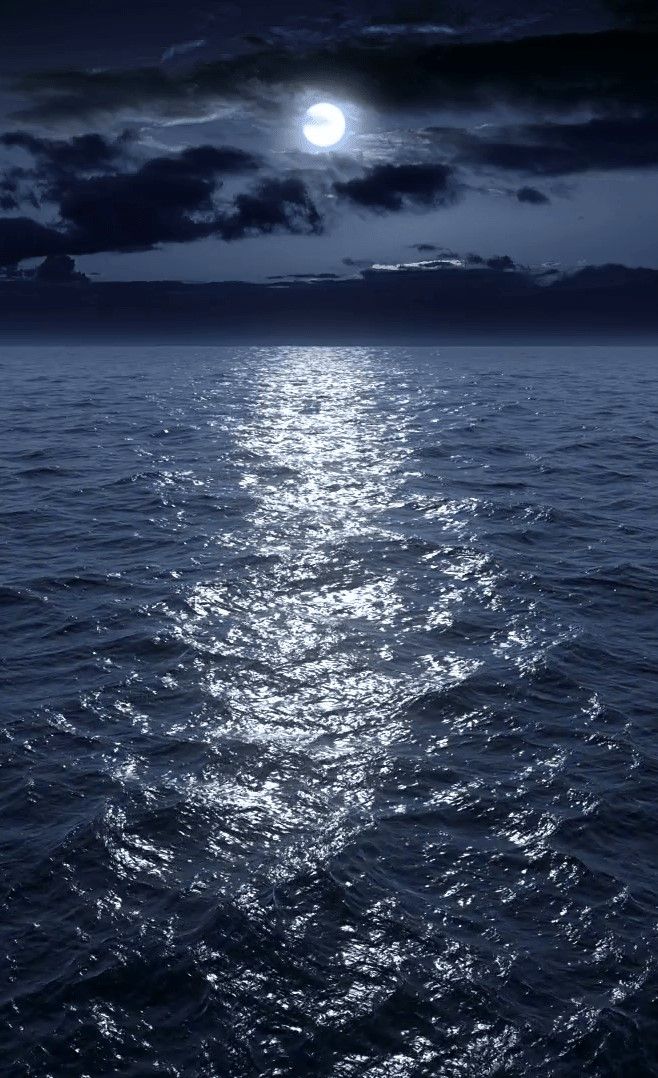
161,140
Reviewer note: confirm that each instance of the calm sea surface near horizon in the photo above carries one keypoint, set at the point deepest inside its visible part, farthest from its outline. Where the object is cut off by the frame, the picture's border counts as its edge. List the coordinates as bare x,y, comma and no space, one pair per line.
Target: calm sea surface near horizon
329,730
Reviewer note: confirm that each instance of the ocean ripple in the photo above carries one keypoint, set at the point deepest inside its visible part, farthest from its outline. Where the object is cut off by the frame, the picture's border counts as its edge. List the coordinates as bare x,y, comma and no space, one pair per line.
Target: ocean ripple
328,735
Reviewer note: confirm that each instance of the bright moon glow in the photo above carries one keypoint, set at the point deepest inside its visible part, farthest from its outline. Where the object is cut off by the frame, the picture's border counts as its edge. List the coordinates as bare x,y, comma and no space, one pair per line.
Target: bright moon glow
325,124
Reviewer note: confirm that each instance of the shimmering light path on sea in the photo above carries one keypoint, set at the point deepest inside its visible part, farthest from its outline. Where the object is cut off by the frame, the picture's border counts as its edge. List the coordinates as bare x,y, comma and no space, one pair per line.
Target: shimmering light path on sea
329,739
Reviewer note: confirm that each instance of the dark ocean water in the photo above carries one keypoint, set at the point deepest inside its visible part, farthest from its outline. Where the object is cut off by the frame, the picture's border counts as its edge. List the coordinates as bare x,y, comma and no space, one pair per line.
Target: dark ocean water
329,729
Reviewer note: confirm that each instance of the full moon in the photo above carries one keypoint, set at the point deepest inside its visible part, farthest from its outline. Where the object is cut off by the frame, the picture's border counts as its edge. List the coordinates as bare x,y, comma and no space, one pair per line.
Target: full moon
325,124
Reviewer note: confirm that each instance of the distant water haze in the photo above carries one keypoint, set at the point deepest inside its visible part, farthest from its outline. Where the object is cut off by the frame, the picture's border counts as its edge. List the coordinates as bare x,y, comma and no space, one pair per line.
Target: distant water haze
328,728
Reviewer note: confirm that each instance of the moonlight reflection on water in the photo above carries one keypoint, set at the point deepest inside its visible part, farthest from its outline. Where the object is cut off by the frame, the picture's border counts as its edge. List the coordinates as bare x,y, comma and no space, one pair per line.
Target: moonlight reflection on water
307,665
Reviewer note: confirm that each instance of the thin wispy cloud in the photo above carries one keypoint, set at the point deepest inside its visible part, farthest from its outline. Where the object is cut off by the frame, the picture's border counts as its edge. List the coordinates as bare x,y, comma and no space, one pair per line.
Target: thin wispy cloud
182,49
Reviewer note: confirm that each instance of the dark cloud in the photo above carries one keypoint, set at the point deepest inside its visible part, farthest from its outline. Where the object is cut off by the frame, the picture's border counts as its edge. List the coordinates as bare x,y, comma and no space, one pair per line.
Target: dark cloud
56,162
498,262
388,188
204,161
16,187
356,263
428,248
135,212
21,237
81,95
86,153
284,277
552,149
276,205
167,200
501,262
60,269
9,190
604,70
532,196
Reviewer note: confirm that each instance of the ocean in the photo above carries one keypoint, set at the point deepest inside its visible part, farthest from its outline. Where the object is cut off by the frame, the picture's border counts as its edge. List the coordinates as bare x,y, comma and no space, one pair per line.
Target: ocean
329,730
